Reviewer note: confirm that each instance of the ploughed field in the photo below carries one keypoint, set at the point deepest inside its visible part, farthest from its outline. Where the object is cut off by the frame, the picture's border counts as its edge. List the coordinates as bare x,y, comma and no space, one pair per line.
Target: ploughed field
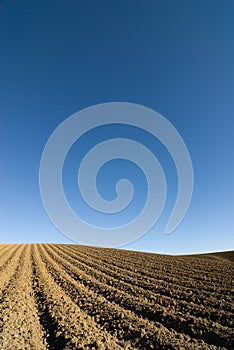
78,297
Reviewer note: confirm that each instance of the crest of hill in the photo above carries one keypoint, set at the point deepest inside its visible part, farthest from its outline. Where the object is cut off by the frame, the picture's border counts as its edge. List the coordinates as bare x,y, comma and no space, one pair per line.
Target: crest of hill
228,255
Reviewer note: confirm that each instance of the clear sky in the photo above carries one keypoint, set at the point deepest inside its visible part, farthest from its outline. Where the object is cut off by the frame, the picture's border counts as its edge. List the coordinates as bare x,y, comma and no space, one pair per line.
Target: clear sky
176,57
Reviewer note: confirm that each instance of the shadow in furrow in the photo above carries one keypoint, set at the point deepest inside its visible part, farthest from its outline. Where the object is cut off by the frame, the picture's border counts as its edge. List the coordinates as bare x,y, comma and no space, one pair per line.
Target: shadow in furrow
54,340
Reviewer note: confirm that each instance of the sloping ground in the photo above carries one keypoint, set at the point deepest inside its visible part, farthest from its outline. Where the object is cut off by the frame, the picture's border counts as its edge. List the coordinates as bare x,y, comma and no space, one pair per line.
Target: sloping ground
228,255
78,297
223,255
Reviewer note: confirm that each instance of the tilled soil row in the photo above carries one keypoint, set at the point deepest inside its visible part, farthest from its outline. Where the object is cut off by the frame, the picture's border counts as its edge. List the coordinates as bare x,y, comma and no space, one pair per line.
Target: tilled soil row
191,326
3,249
19,322
126,326
114,318
168,268
168,283
148,260
10,270
135,287
159,274
66,325
75,297
7,255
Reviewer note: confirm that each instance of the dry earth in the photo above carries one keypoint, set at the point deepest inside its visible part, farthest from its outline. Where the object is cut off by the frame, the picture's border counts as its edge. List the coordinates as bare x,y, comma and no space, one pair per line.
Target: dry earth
77,297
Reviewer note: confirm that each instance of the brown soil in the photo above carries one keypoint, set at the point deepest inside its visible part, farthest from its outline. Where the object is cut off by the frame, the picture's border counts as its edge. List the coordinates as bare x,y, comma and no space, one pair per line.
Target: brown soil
77,297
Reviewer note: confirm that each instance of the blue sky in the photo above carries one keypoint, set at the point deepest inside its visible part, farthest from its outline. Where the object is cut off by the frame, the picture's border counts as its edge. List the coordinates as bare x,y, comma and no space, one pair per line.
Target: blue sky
176,57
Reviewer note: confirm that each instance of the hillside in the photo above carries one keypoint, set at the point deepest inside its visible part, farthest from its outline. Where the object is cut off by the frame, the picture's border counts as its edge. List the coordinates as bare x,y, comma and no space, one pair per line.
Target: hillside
78,297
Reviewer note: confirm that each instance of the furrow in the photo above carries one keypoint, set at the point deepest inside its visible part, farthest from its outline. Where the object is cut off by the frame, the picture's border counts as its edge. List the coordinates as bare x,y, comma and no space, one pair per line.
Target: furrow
19,324
170,266
135,286
125,323
11,267
7,256
62,318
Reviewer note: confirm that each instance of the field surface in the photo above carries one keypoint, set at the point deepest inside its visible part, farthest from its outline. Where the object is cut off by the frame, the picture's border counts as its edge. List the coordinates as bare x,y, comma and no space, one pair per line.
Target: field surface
77,297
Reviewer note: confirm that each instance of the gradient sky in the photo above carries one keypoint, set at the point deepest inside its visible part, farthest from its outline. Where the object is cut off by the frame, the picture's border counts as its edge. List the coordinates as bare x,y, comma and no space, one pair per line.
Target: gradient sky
176,57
